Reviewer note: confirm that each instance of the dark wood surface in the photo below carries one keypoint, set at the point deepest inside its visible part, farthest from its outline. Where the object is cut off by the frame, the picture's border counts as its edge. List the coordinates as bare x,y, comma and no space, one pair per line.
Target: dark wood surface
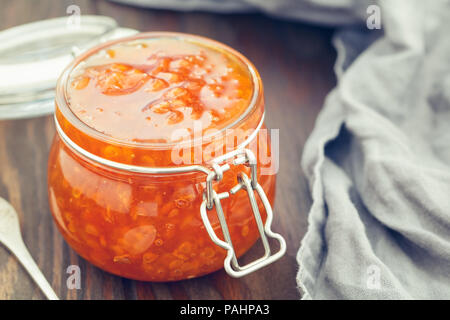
295,61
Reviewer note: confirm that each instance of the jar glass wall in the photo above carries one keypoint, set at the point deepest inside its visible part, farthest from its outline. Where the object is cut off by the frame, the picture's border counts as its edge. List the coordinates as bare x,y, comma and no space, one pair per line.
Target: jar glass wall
148,226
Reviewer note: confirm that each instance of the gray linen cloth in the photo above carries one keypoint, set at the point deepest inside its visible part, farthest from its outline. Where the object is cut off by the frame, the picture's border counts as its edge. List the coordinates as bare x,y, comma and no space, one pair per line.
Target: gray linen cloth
378,163
378,159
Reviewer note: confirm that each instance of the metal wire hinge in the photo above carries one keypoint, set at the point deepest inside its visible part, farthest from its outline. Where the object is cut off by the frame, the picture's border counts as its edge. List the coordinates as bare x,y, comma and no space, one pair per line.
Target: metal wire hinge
249,184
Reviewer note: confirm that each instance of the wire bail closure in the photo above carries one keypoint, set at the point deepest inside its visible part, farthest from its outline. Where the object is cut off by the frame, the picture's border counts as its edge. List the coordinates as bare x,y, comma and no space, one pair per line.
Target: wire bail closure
249,184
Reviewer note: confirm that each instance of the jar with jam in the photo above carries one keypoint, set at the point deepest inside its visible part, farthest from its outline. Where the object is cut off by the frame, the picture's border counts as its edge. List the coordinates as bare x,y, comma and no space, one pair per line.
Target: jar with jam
161,169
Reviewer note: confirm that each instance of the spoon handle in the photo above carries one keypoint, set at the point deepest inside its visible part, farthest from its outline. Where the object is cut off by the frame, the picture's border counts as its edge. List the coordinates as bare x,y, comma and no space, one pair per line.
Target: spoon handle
28,263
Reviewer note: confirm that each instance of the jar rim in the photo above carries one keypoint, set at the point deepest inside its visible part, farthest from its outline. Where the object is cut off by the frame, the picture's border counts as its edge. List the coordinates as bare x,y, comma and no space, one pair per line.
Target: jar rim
62,103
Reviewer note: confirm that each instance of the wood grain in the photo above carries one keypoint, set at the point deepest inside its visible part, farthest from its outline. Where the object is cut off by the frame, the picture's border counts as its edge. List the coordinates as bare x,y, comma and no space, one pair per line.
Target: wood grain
295,62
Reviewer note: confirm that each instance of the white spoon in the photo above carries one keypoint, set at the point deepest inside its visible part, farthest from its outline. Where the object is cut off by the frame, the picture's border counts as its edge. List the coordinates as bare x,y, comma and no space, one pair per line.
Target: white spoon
11,237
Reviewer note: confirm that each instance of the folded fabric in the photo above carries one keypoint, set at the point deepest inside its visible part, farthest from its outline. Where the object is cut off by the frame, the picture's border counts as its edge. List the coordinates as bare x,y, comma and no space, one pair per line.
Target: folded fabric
378,163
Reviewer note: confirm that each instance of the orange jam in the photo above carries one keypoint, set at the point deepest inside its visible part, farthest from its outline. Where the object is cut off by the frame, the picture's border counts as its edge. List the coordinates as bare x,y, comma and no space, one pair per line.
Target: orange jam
146,90
127,101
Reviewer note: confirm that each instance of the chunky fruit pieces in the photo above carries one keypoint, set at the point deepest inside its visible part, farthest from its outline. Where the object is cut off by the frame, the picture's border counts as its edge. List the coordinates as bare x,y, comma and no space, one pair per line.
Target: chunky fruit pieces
146,94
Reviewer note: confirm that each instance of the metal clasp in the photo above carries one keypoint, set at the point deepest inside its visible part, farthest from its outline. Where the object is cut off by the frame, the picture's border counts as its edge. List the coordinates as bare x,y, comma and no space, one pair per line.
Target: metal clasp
249,184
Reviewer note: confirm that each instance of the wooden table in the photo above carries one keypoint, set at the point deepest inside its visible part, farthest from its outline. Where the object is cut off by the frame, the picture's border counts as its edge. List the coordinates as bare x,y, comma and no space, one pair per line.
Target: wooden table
295,61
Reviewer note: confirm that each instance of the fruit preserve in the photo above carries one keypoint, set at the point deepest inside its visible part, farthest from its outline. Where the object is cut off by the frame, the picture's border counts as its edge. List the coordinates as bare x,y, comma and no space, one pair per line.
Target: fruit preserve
135,185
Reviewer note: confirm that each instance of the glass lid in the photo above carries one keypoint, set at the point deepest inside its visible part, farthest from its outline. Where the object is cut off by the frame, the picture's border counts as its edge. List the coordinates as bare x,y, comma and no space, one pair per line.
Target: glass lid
33,55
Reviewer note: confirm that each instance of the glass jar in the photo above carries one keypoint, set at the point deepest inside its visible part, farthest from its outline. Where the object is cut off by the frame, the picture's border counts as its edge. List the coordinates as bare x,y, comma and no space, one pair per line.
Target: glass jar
133,210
